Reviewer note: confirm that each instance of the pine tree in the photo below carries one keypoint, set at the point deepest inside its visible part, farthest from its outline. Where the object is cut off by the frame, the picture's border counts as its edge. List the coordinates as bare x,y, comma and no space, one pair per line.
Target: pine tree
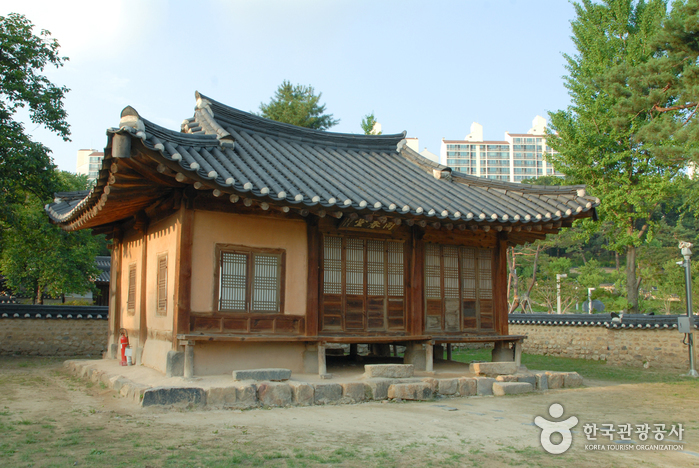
597,139
297,105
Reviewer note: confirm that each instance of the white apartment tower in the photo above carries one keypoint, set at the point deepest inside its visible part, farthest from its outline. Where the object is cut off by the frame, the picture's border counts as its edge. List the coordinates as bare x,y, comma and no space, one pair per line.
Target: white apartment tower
519,156
89,163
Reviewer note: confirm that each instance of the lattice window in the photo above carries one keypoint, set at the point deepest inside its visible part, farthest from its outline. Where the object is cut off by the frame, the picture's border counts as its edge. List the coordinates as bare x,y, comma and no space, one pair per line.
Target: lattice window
250,281
433,271
359,275
485,277
394,269
458,288
162,284
265,283
354,265
332,265
450,257
468,273
131,294
375,266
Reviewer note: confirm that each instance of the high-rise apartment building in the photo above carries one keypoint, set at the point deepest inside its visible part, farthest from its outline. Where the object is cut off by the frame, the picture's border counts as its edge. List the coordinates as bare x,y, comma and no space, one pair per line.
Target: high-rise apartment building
89,163
519,156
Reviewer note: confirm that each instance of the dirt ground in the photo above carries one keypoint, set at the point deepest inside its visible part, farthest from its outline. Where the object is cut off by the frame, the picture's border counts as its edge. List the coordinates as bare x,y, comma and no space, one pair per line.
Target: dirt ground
50,418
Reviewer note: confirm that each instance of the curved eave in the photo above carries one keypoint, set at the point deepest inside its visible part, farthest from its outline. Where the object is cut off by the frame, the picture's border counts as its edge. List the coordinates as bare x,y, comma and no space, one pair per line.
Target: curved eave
267,167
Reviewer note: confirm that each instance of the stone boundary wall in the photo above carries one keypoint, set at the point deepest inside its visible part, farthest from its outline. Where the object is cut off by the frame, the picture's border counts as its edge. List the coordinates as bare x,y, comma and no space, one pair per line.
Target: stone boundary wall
53,331
650,348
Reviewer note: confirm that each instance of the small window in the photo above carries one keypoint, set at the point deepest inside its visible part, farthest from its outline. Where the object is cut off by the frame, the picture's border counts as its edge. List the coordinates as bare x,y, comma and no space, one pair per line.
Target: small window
250,280
131,296
162,284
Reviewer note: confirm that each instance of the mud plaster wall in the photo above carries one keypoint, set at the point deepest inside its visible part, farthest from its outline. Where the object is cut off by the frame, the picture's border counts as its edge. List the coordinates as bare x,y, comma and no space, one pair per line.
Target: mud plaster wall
652,348
212,358
48,337
211,228
162,240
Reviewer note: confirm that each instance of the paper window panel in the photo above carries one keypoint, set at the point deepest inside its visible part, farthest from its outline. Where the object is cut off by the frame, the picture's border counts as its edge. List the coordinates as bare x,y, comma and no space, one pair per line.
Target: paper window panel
376,274
233,281
433,286
265,283
354,264
485,274
395,270
450,259
332,265
468,273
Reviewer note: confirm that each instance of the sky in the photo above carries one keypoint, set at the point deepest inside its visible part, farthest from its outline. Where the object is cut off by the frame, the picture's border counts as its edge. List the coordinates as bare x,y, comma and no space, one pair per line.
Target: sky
431,68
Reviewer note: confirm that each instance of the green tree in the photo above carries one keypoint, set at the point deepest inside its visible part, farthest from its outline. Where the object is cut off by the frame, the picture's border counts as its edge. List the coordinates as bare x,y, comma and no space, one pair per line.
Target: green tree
596,140
665,88
26,165
368,124
297,105
40,258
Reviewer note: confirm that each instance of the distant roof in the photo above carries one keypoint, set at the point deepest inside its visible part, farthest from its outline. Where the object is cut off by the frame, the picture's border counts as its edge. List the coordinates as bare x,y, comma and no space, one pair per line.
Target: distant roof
104,264
238,154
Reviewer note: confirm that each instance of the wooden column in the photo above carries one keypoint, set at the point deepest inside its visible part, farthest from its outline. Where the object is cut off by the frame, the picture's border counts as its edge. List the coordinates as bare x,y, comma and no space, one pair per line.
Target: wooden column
448,351
500,285
416,319
115,294
143,320
183,273
312,292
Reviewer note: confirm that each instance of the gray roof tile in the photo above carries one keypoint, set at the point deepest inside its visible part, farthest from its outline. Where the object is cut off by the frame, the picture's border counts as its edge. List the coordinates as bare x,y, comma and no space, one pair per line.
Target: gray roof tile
243,154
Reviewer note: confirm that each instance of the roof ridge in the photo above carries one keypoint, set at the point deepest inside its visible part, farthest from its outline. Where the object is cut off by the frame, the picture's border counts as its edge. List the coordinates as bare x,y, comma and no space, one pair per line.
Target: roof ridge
224,116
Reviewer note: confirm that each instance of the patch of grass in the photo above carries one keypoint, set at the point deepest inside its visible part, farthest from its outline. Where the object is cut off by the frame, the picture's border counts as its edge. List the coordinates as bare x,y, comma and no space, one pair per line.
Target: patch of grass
589,369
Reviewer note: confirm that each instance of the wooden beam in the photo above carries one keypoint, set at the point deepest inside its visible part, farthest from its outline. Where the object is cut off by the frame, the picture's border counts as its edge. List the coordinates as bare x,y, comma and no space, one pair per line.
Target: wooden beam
143,317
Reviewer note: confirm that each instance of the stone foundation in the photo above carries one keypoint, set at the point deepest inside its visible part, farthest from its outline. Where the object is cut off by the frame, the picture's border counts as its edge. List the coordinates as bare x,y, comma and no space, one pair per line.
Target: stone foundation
265,394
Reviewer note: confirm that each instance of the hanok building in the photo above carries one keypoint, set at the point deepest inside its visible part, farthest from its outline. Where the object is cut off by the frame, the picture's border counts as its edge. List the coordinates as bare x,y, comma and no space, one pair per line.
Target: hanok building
241,242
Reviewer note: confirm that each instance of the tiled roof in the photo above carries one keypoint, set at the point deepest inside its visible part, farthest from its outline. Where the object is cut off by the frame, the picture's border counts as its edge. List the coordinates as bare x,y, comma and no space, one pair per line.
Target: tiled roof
104,264
634,321
242,155
25,311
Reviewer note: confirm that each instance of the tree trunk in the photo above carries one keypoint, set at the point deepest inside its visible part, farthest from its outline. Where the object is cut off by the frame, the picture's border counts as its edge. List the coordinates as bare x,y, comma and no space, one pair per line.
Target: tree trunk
631,281
616,259
39,296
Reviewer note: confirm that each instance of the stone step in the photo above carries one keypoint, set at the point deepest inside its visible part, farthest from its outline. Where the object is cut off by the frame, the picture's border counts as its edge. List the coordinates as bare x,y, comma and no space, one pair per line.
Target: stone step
271,375
388,371
511,388
493,368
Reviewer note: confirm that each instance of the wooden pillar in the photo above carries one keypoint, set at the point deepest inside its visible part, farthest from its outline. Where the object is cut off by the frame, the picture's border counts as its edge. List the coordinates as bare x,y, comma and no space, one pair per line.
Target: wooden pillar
143,320
417,279
115,295
189,359
448,351
183,272
500,285
429,356
313,293
353,350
